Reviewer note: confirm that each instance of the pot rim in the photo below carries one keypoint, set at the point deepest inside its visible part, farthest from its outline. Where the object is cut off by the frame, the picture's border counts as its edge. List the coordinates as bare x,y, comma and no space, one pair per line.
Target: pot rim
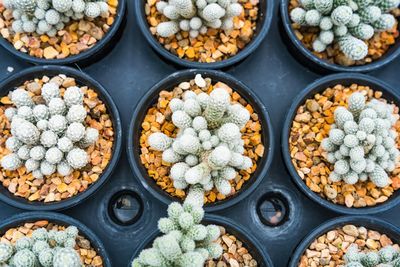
387,58
38,71
221,221
268,138
53,217
334,223
393,201
85,55
249,48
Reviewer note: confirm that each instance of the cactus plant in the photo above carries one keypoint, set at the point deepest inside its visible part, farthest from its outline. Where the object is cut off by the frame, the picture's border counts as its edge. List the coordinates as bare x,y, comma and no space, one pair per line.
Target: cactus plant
208,148
361,144
43,139
47,17
387,256
185,241
42,249
349,23
196,17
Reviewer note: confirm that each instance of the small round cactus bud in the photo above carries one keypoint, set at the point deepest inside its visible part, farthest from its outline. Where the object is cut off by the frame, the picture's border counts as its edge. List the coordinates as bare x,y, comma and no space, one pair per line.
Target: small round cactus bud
181,119
355,21
57,123
336,136
361,135
313,17
342,167
358,166
340,31
195,23
341,15
54,155
48,139
37,174
50,90
24,258
10,113
191,160
171,12
356,153
17,26
66,257
227,173
184,25
159,141
25,113
323,6
13,144
20,98
75,132
363,31
178,171
307,4
40,234
199,123
77,158
356,102
52,17
73,96
22,243
47,168
326,37
56,106
11,162
228,133
190,144
167,29
161,5
92,10
342,115
72,231
370,14
384,23
31,165
39,246
213,12
192,107
219,157
29,26
176,104
76,113
40,112
78,6
350,141
23,152
64,169
379,177
326,24
350,127
46,257
204,135
350,178
42,125
353,48
335,177
37,153
298,15
170,156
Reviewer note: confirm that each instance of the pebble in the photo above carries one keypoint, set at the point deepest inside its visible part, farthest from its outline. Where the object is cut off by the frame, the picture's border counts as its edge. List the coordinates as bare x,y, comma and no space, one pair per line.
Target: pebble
200,82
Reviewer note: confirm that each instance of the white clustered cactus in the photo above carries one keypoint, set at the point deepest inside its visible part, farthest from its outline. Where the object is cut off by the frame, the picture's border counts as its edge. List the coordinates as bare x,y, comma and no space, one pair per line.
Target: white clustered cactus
196,17
350,23
388,256
361,143
48,137
208,148
185,241
50,16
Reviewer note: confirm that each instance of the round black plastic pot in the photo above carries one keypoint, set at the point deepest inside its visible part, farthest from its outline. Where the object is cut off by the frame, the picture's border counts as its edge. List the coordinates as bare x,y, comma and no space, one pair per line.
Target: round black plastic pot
83,79
307,58
319,86
266,8
61,220
370,223
249,241
91,55
169,83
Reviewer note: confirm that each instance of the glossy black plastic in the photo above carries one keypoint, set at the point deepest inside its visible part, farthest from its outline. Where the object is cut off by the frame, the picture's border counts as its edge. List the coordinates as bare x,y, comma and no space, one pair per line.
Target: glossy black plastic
168,84
264,21
249,241
37,72
306,57
59,219
93,54
319,86
371,223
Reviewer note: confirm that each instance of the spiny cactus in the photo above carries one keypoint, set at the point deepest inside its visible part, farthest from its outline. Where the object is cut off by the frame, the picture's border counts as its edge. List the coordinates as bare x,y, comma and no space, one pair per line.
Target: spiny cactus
208,148
42,249
185,241
50,16
48,137
361,143
387,256
196,17
349,23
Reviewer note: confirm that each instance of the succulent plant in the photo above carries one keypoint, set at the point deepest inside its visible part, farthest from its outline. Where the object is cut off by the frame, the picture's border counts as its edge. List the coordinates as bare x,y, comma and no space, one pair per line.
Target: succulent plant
361,143
43,138
387,256
185,241
349,23
196,17
42,249
49,16
208,149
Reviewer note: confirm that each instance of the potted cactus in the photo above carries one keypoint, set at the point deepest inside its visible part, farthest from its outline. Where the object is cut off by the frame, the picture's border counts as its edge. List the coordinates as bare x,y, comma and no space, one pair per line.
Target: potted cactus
207,141
349,35
185,241
352,241
56,132
206,34
49,239
58,31
341,143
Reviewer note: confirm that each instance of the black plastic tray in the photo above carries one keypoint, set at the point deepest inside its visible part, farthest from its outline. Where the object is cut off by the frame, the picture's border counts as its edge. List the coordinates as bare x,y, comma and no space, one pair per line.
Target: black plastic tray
130,70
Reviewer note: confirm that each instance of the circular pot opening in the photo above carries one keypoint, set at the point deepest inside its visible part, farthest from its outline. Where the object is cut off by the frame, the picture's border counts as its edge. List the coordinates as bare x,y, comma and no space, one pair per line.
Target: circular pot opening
273,209
370,223
125,207
266,9
314,63
170,82
318,87
61,220
89,56
249,241
82,79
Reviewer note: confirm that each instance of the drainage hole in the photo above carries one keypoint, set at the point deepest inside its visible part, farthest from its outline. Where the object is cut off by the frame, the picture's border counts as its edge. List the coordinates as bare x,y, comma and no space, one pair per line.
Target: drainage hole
273,209
125,207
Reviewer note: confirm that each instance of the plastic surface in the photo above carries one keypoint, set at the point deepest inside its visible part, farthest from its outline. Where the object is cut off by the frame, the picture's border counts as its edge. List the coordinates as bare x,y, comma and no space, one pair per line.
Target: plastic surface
130,70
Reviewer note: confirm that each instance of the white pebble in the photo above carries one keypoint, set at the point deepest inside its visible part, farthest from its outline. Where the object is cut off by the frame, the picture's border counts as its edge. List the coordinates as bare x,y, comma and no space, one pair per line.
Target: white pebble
200,82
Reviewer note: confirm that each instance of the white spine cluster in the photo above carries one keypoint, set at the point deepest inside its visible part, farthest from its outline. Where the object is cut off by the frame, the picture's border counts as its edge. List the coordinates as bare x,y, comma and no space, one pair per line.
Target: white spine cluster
208,148
51,136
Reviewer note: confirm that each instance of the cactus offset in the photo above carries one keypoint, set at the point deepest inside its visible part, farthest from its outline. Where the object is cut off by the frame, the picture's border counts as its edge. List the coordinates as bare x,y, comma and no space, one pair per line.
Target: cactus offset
387,256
